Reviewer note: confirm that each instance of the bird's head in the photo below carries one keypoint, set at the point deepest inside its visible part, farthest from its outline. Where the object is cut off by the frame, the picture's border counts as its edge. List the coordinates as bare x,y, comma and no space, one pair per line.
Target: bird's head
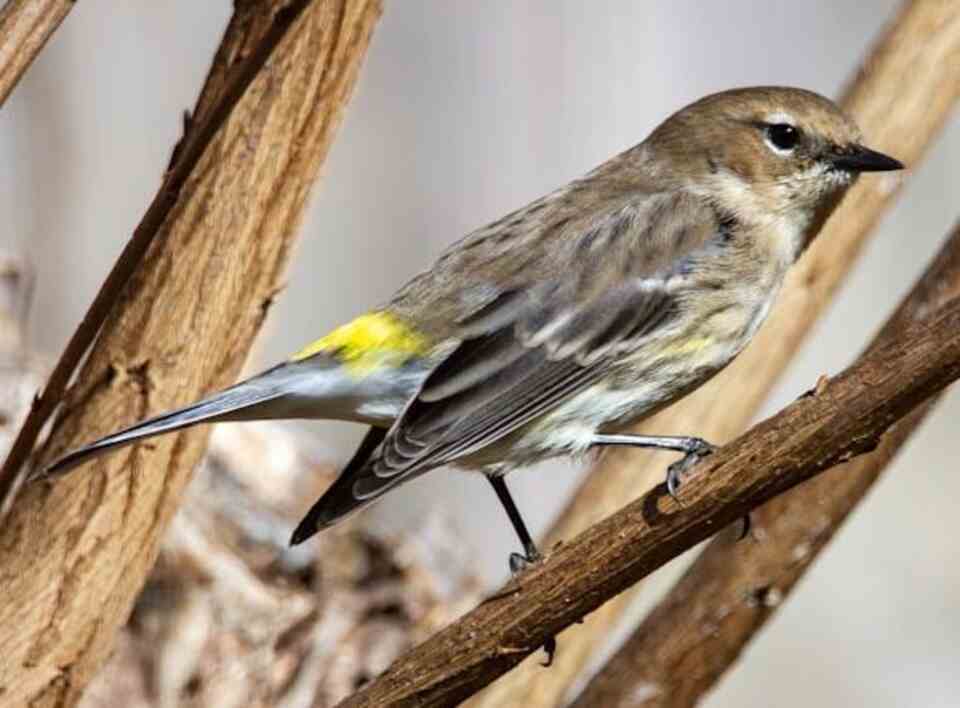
765,153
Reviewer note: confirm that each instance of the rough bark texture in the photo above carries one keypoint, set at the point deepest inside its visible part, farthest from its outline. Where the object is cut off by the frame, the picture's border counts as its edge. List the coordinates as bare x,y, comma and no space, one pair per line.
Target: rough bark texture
25,27
241,59
900,97
698,631
842,418
74,554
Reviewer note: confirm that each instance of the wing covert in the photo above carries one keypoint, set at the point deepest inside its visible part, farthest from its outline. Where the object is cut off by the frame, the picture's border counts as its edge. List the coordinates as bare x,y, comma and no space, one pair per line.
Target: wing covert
543,350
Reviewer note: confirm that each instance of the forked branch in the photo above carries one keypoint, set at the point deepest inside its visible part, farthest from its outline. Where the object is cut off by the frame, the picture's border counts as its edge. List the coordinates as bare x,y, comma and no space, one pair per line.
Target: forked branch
183,313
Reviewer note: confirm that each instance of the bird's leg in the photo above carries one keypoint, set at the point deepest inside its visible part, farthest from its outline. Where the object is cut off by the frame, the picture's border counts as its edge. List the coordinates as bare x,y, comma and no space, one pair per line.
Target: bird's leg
694,449
530,552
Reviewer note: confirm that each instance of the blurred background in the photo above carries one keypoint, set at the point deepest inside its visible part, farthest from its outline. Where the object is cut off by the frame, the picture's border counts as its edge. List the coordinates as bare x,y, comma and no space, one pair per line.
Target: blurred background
463,112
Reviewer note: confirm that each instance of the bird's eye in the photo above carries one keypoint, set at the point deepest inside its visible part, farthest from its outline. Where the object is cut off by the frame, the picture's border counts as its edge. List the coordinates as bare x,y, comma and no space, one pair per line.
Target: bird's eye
783,137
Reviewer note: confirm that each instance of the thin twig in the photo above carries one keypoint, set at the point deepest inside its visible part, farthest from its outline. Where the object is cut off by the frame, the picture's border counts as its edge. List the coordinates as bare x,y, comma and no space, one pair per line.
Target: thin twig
734,588
844,417
188,154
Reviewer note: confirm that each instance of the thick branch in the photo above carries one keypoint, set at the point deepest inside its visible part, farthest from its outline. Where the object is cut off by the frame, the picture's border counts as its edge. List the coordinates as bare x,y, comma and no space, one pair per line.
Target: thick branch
237,64
25,27
734,588
73,554
901,97
844,417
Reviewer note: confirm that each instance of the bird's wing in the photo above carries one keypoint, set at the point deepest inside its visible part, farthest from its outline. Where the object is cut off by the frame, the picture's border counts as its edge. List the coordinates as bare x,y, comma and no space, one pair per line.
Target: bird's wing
523,356
339,499
532,348
533,357
495,382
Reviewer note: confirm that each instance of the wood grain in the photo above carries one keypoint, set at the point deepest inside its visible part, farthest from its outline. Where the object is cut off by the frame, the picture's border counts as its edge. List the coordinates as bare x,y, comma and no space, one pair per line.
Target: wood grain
73,554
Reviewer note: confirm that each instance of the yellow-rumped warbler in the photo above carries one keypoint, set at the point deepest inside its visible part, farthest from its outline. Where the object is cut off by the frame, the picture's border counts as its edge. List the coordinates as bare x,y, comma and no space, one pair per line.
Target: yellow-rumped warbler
552,330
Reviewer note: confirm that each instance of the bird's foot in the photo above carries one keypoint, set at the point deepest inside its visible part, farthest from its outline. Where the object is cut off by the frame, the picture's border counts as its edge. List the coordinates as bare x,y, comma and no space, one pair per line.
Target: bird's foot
697,449
676,472
518,563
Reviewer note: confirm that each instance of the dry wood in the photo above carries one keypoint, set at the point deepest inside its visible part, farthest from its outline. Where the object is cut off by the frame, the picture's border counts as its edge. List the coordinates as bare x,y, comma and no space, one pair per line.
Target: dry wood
842,418
900,97
25,27
696,633
238,62
228,80
232,616
73,554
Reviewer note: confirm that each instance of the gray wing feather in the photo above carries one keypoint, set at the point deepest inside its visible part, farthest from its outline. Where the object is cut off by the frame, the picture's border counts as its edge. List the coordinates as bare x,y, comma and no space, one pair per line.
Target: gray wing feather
589,284
495,383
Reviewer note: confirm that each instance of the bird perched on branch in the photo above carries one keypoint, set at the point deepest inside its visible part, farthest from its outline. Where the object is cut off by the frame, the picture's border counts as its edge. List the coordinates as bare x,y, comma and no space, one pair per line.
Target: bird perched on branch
554,329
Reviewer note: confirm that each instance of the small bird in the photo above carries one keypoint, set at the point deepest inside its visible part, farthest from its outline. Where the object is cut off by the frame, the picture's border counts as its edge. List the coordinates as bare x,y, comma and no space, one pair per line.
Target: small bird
553,330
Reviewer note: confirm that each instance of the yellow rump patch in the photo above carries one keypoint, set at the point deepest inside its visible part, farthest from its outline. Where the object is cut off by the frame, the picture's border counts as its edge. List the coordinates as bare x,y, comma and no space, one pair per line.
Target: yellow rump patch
370,341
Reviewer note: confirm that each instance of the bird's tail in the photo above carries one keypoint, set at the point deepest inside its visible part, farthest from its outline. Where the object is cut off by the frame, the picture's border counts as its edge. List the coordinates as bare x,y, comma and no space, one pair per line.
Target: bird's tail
340,500
357,486
241,402
319,387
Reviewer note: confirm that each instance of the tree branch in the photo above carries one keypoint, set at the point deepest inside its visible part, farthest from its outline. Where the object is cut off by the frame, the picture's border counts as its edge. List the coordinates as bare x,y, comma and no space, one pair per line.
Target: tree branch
74,553
901,96
844,417
229,79
734,588
25,27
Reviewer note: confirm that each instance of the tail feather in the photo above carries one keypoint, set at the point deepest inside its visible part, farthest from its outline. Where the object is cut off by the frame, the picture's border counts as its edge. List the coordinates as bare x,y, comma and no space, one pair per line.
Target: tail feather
340,499
236,403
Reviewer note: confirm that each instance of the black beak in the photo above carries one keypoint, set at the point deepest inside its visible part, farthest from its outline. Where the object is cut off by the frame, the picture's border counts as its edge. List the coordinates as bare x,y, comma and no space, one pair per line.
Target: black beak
857,158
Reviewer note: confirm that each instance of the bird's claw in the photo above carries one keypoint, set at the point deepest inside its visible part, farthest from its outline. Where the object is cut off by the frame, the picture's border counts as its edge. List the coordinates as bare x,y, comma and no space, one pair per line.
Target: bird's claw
520,562
697,450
